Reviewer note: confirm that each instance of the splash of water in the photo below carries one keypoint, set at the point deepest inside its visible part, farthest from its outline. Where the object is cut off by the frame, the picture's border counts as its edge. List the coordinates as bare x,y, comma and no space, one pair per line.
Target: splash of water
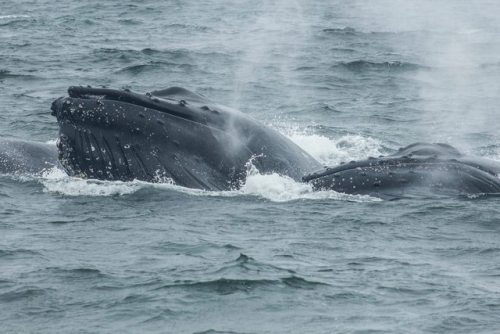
272,187
333,151
56,180
279,188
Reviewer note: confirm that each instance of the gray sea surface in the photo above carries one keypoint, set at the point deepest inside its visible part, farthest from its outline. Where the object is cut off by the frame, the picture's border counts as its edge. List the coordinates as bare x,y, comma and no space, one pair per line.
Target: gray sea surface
344,80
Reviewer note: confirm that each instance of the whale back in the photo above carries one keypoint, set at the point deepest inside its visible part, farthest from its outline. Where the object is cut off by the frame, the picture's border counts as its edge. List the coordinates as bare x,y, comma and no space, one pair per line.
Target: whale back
418,169
179,93
26,157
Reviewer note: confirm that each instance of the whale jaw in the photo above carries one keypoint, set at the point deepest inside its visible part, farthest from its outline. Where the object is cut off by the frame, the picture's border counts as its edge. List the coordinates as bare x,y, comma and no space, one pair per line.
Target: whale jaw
117,135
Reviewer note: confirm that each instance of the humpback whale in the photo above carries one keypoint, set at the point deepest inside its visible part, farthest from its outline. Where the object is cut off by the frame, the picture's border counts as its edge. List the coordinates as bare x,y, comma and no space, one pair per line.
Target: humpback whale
168,134
418,169
181,136
25,157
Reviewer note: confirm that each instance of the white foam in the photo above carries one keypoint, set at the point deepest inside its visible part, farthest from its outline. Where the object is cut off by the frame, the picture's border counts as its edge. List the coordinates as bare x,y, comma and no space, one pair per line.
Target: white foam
57,181
9,17
332,151
494,156
272,187
51,142
278,188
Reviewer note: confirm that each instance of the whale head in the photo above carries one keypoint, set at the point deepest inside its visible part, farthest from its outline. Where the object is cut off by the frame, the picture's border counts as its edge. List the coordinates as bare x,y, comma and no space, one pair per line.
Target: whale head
118,135
169,134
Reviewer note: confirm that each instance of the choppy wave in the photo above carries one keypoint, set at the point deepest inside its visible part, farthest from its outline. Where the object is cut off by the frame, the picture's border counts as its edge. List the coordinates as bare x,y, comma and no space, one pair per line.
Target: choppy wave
365,65
155,54
23,293
223,285
154,66
130,22
6,20
189,27
233,278
213,331
227,286
144,55
77,273
8,17
5,74
350,32
245,264
17,252
341,31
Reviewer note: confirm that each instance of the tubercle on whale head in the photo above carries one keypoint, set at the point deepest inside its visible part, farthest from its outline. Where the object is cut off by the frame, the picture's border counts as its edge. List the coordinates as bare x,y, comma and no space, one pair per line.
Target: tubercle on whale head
56,105
192,107
148,100
89,130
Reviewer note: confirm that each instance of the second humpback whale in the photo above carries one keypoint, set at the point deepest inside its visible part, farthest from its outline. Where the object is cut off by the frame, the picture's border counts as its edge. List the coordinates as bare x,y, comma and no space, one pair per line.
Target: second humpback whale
418,169
176,134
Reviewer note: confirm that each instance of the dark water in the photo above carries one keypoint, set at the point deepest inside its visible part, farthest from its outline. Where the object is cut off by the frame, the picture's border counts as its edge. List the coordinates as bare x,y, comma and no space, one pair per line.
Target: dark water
343,79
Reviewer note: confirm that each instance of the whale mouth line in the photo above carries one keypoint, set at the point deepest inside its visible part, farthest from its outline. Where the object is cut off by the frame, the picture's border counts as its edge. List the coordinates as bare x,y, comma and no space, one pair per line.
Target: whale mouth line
148,101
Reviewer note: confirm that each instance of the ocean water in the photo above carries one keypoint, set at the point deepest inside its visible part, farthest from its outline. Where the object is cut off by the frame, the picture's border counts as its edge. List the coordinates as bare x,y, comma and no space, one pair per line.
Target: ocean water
344,80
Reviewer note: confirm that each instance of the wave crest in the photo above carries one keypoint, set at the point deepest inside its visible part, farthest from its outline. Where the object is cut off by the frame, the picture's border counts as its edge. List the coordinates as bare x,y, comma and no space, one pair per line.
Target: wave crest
365,65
